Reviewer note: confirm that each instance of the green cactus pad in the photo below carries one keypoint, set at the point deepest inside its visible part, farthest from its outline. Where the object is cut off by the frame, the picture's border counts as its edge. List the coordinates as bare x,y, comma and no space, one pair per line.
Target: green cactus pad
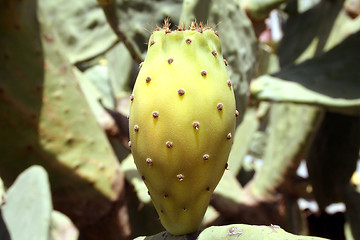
27,211
250,232
236,231
182,119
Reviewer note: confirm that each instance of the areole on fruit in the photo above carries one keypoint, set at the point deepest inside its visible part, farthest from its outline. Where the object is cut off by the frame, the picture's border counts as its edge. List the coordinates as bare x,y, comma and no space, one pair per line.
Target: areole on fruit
182,119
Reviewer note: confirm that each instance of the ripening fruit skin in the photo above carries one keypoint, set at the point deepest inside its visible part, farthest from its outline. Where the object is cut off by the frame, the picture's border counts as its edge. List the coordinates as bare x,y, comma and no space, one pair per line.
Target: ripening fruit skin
181,122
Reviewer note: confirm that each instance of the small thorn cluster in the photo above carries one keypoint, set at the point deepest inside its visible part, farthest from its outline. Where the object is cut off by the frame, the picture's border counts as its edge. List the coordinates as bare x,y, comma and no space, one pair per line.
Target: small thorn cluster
194,26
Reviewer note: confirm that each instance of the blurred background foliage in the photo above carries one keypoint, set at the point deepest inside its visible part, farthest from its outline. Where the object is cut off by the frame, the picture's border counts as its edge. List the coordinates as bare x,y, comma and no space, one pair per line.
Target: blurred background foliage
68,67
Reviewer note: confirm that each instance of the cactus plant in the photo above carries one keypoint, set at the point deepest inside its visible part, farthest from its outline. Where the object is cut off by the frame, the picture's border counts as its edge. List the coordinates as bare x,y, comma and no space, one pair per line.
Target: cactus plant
27,212
46,120
182,119
259,10
289,140
330,25
236,231
329,80
81,27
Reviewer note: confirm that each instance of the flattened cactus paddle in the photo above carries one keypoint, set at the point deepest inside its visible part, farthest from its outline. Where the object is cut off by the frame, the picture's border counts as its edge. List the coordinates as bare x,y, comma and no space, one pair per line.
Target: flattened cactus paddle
182,119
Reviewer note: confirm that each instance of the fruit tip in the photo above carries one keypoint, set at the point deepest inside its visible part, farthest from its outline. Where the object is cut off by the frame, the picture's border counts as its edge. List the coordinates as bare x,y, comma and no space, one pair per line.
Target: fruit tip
194,26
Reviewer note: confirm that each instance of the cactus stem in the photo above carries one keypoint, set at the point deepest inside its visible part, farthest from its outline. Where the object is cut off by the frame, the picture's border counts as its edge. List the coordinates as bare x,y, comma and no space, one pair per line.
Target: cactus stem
169,144
155,114
206,157
237,113
203,73
188,41
220,106
229,83
136,128
181,92
226,62
132,97
170,60
180,177
149,162
214,53
196,125
148,79
152,42
228,136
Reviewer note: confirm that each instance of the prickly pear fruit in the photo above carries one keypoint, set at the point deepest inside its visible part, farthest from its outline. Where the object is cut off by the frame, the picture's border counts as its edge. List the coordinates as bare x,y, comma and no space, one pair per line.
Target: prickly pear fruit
181,122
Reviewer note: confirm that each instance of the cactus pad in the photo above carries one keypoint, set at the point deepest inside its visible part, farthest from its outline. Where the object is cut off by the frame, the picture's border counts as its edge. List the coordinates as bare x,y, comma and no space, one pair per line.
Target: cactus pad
182,119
